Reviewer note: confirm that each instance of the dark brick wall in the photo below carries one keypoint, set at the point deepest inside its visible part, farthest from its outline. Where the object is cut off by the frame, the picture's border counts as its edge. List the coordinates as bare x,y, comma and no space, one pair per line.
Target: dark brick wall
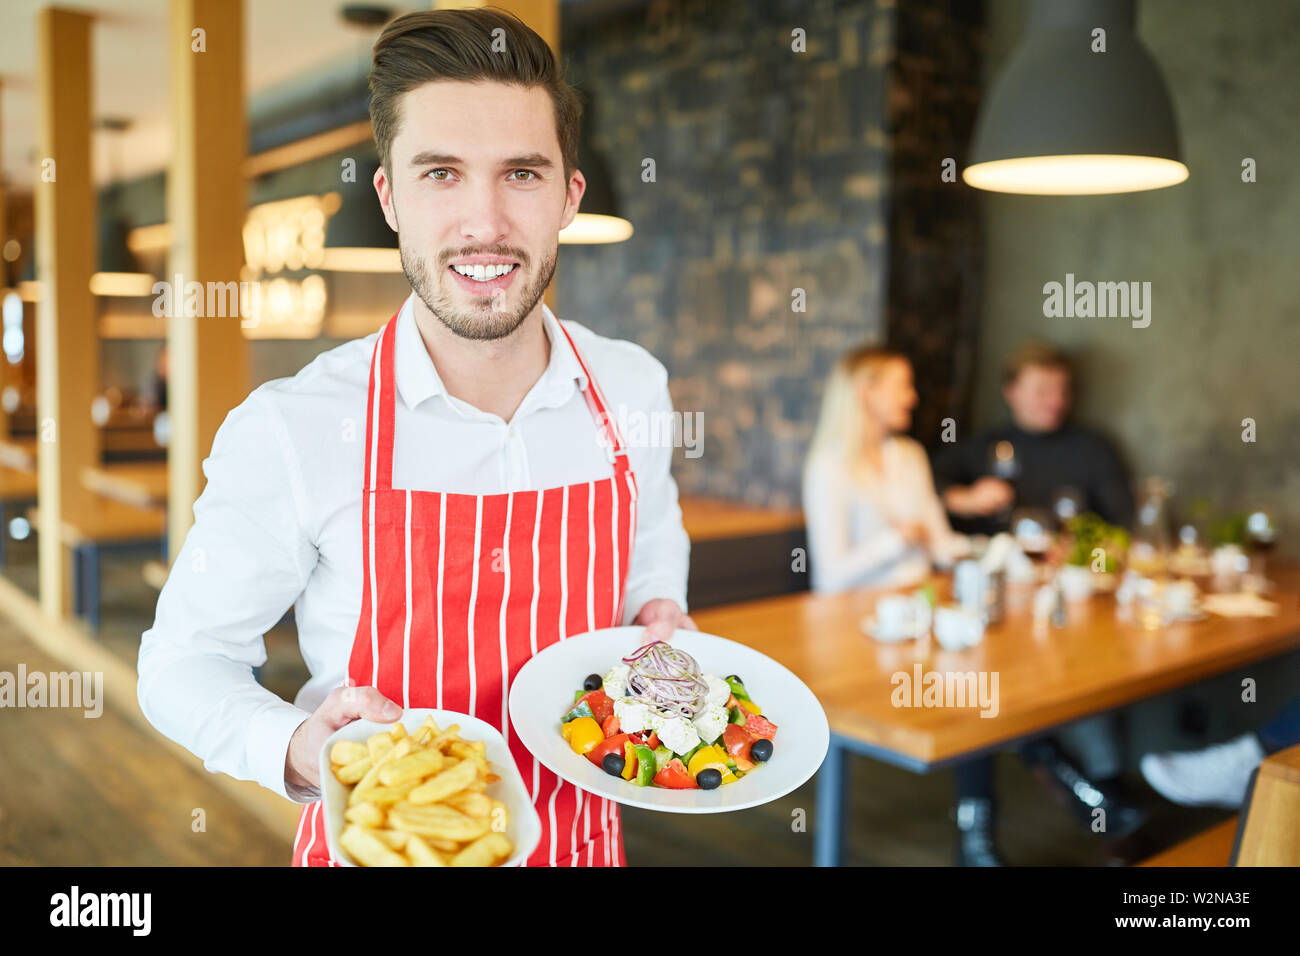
934,286
773,172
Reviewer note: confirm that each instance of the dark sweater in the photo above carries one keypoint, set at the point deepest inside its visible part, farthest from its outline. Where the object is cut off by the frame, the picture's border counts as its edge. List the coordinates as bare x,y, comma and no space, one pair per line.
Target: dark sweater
1047,462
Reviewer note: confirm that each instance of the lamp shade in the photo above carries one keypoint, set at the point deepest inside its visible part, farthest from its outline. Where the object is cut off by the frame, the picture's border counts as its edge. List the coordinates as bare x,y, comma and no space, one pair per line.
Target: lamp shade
358,238
1063,119
598,219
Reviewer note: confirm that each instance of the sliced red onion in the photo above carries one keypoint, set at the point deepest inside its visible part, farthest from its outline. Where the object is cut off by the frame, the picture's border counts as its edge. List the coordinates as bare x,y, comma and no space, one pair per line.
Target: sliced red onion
667,678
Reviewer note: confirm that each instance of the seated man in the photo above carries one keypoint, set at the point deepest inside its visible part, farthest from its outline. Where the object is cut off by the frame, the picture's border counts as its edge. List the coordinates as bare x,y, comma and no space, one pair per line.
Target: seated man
1047,454
1026,463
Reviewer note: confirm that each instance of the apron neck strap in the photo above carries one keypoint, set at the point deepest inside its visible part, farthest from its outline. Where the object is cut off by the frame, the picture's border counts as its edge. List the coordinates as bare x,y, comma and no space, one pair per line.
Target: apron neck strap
381,411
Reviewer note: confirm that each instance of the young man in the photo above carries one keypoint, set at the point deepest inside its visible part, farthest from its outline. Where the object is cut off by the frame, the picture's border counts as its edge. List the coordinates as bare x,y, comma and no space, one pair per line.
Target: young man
1050,454
445,498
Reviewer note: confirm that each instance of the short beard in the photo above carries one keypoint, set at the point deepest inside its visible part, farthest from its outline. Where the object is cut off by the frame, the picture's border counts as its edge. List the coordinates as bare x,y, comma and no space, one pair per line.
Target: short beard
484,324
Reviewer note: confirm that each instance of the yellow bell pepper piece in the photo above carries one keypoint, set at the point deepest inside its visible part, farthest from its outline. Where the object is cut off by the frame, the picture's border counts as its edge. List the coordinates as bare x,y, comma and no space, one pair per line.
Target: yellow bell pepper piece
706,757
750,706
583,734
629,760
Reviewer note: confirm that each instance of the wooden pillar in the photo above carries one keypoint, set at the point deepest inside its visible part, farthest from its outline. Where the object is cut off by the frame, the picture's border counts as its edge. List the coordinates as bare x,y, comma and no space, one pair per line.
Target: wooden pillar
67,348
207,355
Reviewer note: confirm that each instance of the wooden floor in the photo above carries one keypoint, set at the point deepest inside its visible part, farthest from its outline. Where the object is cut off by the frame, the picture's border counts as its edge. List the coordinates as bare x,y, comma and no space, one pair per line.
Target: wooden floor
82,791
96,792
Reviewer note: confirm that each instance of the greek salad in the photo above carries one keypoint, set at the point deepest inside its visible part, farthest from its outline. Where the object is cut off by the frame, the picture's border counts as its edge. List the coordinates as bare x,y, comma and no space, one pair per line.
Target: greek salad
656,720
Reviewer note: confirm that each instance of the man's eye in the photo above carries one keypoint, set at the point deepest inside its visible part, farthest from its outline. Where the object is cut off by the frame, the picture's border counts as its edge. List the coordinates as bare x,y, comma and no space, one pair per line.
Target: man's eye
439,174
528,173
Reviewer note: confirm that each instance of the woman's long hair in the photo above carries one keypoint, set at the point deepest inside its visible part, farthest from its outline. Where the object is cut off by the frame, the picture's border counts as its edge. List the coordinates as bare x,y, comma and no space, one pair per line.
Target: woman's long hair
841,426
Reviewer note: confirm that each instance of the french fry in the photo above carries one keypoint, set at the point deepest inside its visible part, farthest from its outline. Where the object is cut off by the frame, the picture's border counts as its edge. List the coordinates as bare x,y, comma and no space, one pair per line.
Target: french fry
446,783
414,766
366,814
449,735
393,839
345,752
437,821
368,849
398,731
371,778
387,796
421,854
487,850
378,745
355,771
470,803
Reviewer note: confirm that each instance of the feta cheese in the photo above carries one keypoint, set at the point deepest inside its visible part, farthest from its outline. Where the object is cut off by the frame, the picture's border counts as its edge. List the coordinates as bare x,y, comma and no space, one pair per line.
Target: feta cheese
615,682
633,716
719,690
675,732
710,723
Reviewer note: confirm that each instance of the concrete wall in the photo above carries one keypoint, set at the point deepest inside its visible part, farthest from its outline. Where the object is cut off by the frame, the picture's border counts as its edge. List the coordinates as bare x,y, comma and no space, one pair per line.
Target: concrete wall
1220,254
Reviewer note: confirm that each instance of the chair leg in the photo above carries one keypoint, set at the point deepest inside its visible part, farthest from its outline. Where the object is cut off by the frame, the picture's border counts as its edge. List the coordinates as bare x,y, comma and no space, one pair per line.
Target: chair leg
78,580
93,593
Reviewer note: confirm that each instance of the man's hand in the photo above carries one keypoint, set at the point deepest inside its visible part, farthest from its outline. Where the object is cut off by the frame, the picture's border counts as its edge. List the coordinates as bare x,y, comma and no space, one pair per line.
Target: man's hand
987,496
342,706
661,617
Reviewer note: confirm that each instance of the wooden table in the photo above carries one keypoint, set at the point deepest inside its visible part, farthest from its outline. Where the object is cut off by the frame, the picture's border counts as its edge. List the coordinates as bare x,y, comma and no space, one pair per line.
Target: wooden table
1093,664
706,519
143,484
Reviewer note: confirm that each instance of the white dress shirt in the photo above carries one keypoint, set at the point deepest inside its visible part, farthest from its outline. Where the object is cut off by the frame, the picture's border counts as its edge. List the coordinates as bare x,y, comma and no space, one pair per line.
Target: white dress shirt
279,523
852,541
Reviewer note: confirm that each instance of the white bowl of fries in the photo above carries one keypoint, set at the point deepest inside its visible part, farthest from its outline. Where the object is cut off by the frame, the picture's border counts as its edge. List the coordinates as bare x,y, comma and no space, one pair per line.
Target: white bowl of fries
437,788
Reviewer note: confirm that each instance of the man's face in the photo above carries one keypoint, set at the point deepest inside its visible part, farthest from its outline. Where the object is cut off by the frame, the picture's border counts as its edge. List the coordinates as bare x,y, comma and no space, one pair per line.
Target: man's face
1039,398
477,186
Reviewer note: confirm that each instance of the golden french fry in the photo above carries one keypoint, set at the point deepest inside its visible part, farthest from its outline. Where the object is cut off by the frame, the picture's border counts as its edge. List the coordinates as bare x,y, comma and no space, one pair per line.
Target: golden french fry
393,839
414,766
367,849
467,751
398,731
378,745
492,778
447,736
387,796
442,846
437,821
355,771
488,850
445,784
421,854
366,814
469,803
346,752
368,782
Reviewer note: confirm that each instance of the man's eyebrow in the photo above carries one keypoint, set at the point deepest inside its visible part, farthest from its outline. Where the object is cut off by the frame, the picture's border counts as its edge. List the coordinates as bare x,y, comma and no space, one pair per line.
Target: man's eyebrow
430,158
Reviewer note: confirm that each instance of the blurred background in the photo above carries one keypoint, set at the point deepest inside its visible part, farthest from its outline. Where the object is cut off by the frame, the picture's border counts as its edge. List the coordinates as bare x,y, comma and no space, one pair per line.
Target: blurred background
799,207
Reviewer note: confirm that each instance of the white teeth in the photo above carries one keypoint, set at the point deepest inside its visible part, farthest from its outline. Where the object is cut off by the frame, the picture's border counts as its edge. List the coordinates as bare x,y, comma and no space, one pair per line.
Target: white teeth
484,273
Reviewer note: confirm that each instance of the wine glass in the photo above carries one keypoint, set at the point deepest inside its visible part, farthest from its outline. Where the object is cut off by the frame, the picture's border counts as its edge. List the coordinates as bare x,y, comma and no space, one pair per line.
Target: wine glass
1261,538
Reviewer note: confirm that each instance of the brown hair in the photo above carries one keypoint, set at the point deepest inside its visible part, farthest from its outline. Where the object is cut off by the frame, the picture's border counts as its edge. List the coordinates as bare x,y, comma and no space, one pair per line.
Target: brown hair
430,45
1039,354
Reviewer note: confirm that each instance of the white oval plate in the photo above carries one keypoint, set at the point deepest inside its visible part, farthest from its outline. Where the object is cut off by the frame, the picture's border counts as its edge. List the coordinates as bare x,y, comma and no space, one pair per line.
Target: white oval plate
523,828
543,691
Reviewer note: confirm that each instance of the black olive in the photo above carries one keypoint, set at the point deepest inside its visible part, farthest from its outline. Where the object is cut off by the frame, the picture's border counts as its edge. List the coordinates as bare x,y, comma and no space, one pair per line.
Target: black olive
613,764
710,778
761,749
593,682
736,679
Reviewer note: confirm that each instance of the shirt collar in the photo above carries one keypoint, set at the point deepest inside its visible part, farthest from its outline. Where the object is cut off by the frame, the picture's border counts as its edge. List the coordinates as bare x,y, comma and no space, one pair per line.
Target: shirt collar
417,379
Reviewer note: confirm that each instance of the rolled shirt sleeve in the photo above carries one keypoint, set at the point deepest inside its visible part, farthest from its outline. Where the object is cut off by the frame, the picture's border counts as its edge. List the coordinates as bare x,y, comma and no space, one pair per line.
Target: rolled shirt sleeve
661,552
243,564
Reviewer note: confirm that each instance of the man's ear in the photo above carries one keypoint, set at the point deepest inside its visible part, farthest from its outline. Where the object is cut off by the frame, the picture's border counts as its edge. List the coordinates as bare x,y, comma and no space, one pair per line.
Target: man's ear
573,197
384,188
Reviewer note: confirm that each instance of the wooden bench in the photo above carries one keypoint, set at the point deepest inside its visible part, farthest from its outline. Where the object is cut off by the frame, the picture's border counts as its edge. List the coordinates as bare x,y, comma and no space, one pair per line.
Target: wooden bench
740,552
17,490
108,526
1212,847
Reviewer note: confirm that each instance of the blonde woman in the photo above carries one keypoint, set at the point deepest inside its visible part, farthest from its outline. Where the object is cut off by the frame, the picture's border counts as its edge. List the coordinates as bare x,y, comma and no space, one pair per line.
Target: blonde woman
873,517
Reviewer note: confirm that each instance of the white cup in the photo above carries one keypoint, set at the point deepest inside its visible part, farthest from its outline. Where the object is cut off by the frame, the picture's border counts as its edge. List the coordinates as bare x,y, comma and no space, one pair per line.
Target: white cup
900,616
956,627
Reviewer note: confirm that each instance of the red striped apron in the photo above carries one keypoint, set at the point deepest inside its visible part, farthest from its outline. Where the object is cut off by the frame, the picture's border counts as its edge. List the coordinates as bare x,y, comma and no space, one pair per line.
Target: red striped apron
460,590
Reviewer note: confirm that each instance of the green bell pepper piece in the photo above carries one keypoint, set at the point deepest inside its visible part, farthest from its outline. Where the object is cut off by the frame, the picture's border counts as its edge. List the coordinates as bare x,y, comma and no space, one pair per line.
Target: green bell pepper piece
646,767
582,710
738,689
737,716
